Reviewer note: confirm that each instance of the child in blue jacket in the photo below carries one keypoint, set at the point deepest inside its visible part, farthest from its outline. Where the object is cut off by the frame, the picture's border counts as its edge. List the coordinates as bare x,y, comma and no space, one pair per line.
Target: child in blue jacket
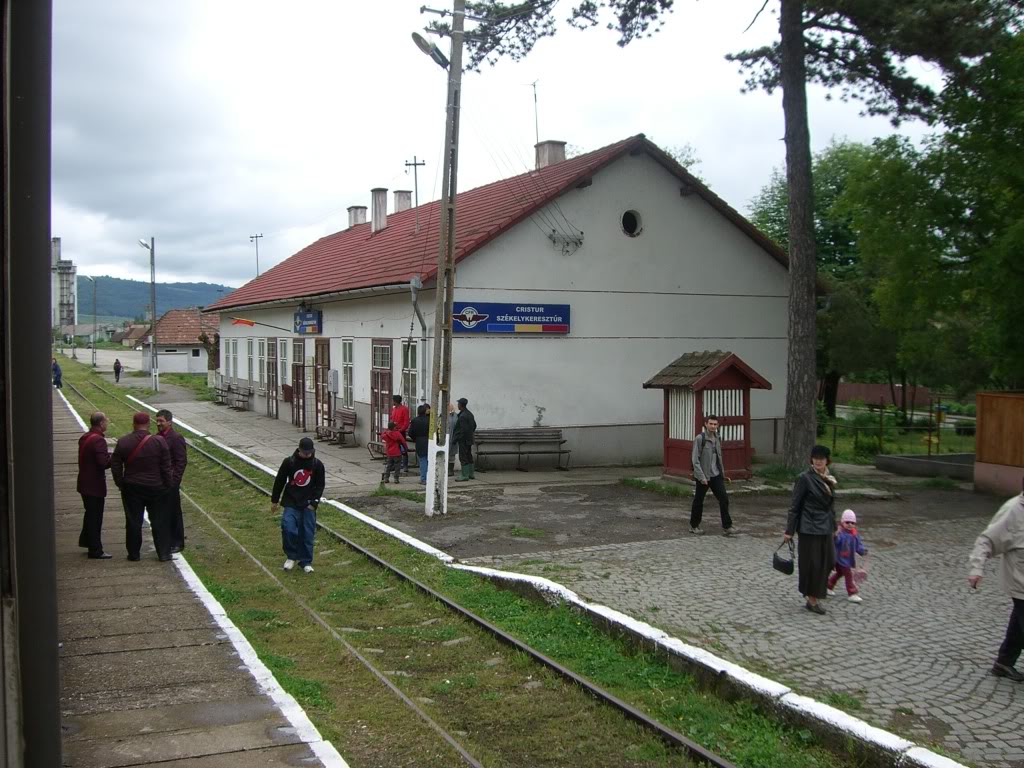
848,545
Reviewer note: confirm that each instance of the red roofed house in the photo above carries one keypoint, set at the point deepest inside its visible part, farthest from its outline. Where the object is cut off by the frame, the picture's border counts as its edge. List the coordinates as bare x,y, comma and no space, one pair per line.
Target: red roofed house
178,348
575,281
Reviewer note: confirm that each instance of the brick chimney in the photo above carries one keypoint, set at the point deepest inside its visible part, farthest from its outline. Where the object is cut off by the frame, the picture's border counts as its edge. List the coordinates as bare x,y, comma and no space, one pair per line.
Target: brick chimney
549,153
403,200
379,208
356,215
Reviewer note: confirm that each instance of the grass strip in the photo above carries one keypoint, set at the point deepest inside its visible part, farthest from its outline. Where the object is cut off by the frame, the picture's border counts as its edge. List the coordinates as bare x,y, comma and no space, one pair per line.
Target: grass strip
655,486
505,722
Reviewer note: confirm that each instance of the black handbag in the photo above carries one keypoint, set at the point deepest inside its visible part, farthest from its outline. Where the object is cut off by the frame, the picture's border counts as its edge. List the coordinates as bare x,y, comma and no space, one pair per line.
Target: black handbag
783,564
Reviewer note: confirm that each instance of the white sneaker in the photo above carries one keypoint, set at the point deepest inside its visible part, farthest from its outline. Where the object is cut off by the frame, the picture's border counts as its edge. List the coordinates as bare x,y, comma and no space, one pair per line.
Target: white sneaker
307,568
288,565
855,599
830,592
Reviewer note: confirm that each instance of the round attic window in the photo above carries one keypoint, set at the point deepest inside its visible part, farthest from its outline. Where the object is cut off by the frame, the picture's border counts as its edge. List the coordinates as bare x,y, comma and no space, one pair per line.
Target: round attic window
632,225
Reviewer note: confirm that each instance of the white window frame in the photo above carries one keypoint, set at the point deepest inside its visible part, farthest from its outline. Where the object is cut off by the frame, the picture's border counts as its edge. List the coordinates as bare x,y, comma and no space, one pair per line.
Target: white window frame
261,368
234,358
347,372
226,351
249,351
410,373
282,358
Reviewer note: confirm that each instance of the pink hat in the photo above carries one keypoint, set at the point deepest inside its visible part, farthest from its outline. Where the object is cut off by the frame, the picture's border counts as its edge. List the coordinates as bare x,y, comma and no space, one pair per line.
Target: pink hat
849,516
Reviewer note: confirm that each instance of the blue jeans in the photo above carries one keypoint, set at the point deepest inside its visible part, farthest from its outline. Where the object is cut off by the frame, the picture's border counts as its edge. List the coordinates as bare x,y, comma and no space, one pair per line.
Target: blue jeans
422,458
298,526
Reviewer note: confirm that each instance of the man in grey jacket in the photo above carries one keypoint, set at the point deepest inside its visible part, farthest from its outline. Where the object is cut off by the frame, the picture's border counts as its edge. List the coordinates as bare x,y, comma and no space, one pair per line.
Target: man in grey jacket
1005,536
709,473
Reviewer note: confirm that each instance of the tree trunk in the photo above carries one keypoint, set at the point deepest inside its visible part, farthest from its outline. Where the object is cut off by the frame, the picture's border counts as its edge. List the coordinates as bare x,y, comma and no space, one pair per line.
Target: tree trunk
800,371
903,394
830,392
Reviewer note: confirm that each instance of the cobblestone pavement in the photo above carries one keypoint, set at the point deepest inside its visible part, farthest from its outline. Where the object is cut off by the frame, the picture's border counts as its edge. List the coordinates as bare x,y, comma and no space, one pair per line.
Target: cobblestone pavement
913,657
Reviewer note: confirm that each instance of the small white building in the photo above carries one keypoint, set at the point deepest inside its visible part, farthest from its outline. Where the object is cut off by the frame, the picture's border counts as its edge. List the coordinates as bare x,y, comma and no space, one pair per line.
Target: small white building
575,283
178,347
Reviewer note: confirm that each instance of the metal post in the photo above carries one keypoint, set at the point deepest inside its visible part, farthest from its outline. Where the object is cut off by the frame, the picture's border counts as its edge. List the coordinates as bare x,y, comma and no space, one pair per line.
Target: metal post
930,402
95,327
938,426
437,500
256,239
153,361
881,424
834,430
415,164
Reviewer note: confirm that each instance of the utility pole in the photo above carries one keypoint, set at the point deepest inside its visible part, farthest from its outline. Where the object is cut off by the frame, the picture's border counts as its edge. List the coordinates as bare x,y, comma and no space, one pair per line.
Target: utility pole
153,361
437,474
256,239
416,186
536,120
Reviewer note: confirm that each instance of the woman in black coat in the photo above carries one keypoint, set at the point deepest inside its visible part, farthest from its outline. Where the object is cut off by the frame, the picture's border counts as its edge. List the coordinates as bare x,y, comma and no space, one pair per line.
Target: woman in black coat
812,514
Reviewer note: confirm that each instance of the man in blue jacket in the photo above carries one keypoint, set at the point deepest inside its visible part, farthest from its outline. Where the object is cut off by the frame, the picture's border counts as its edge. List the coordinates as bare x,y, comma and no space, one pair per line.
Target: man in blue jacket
299,485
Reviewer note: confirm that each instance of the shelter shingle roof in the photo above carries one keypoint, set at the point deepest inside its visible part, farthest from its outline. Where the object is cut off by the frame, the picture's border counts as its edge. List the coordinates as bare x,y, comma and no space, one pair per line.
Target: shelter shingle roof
183,326
357,258
698,369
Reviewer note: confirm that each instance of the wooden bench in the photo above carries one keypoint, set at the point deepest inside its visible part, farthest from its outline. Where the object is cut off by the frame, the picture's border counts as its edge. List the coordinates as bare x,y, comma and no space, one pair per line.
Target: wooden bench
525,441
375,448
221,391
238,397
343,423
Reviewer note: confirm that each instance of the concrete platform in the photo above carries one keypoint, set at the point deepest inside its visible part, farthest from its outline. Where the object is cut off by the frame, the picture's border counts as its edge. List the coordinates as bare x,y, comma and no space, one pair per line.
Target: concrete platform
148,675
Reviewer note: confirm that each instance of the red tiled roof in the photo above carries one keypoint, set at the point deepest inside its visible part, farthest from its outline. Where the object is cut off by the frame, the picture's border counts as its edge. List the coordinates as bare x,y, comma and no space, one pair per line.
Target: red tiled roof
136,332
356,258
183,326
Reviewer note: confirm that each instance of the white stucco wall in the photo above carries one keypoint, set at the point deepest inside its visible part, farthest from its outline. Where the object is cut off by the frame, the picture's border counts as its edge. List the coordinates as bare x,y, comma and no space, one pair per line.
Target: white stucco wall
180,360
690,281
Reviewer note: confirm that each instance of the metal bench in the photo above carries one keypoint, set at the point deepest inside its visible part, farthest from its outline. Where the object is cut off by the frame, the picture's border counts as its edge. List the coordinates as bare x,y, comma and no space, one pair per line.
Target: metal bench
344,423
524,441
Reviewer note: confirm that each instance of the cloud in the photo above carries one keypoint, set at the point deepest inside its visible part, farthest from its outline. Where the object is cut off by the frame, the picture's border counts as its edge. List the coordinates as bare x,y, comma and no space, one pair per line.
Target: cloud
203,123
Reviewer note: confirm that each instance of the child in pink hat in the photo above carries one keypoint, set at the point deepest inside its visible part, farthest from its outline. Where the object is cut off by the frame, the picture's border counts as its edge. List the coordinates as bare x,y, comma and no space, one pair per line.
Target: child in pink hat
848,546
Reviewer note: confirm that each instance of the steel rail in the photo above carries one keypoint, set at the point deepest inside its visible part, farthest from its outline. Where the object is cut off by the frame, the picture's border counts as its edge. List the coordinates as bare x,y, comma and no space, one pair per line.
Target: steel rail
673,738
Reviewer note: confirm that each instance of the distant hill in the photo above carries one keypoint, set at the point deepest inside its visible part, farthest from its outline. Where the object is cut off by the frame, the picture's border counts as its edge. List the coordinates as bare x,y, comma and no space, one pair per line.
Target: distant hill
130,298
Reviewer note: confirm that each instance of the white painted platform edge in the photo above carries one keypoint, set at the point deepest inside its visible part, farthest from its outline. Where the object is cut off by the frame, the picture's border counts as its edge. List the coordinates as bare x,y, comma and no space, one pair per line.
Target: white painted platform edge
853,726
264,678
82,424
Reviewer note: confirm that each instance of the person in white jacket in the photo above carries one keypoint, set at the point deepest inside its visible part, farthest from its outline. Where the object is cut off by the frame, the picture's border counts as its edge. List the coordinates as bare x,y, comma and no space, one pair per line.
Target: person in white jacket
1005,536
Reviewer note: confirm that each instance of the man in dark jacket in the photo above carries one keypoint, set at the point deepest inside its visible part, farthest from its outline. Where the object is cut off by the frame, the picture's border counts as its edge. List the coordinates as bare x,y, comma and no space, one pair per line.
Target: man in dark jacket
57,374
141,466
179,460
419,431
93,463
299,485
462,436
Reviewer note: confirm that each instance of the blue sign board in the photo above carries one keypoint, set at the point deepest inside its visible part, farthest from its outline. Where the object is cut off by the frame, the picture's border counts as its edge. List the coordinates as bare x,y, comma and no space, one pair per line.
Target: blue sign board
521,317
309,322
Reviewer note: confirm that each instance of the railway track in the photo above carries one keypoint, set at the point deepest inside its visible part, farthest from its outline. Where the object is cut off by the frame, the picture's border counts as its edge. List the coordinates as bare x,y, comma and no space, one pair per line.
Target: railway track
693,750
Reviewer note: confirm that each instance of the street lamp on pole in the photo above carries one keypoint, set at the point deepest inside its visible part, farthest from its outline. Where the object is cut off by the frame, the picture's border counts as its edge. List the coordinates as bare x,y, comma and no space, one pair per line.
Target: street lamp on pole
95,330
151,247
437,475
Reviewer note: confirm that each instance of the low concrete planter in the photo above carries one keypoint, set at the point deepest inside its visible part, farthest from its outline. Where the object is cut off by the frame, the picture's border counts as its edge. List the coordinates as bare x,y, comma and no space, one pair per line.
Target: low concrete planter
956,466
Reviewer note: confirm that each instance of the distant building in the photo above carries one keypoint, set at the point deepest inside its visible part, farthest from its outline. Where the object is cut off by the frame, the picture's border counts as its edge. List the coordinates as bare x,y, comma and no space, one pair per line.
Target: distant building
178,347
63,288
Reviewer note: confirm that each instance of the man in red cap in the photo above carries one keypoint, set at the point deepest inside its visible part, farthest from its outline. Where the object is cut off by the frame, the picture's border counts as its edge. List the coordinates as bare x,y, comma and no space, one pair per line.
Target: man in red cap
93,462
141,466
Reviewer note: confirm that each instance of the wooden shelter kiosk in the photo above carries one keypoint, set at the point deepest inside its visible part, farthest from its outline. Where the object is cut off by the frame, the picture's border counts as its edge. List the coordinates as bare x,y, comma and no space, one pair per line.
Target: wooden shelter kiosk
700,383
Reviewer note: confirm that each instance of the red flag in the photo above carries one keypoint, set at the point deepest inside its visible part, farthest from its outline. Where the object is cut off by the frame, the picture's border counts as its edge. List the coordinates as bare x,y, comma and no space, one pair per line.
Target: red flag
242,321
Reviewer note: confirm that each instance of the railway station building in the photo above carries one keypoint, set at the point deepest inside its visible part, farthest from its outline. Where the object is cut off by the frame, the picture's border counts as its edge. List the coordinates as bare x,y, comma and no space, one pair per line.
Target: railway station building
575,283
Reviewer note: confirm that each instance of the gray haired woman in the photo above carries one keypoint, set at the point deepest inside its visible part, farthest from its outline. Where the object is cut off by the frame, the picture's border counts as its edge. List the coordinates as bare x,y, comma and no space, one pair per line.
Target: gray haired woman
812,514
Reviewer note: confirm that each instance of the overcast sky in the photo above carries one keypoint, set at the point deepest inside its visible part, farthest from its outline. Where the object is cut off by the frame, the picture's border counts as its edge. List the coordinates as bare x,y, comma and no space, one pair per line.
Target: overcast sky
202,122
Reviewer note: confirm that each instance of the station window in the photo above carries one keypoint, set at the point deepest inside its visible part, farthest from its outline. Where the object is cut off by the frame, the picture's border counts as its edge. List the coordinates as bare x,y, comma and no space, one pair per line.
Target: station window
347,372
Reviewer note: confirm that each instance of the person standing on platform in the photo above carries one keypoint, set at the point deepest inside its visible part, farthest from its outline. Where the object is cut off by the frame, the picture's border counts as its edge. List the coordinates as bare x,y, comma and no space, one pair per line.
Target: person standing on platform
93,463
463,436
400,415
58,374
141,466
419,433
453,416
299,485
709,474
117,370
179,461
1005,536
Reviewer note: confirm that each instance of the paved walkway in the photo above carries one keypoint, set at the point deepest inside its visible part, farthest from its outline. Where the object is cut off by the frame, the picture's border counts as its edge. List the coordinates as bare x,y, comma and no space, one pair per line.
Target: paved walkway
913,657
147,674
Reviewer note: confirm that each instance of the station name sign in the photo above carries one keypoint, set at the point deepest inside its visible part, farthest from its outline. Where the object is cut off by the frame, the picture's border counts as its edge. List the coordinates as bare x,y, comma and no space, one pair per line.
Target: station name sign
521,317
309,322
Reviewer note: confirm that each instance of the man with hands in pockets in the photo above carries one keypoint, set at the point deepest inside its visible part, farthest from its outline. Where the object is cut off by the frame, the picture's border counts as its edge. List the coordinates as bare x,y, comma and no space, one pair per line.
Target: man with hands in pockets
298,486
